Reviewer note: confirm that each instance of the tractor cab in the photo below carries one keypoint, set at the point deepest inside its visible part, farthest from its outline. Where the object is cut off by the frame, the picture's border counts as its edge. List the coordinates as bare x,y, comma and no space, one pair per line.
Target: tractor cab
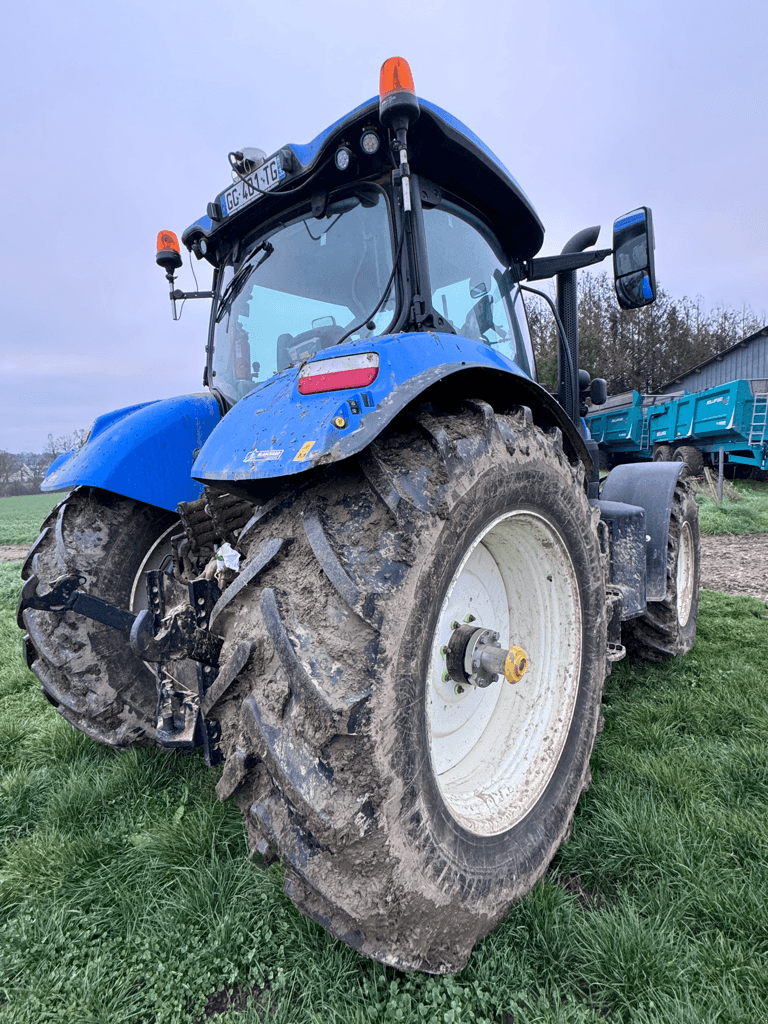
372,229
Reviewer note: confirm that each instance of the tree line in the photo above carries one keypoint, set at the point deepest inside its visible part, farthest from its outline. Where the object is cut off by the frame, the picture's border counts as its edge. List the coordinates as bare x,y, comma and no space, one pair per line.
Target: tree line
639,349
23,472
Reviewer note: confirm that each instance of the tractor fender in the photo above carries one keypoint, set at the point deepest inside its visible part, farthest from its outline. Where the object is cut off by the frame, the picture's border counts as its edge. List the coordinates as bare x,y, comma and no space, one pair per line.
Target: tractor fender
651,487
276,432
143,451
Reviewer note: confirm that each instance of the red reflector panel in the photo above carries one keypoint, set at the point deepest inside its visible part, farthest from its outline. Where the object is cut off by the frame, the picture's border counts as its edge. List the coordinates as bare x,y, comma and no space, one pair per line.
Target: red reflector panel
356,371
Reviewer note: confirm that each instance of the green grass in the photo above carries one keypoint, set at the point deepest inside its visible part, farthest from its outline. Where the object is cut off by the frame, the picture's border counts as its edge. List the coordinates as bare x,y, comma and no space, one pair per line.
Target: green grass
747,514
20,517
126,893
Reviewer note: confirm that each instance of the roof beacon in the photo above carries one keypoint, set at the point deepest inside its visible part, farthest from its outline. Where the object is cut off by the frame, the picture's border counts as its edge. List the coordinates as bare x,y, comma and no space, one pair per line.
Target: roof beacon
398,109
169,258
168,252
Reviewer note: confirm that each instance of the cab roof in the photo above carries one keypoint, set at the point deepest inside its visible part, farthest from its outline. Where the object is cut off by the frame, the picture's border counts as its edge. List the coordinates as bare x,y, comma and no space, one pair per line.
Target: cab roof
441,149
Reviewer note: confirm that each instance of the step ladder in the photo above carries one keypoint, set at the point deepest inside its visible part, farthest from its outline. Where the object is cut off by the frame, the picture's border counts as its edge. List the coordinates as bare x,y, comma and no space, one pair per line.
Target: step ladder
645,433
759,420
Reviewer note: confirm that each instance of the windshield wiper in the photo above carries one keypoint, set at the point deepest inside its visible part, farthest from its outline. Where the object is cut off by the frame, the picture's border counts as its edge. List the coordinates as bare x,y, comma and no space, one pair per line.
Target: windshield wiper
236,284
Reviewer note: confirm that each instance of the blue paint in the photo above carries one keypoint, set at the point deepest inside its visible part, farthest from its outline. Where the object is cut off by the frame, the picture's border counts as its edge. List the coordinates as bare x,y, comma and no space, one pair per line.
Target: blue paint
632,218
468,134
309,153
204,222
267,433
143,451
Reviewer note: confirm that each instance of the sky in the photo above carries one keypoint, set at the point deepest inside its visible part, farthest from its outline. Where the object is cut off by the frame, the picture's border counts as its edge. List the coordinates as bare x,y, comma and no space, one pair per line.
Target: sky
116,122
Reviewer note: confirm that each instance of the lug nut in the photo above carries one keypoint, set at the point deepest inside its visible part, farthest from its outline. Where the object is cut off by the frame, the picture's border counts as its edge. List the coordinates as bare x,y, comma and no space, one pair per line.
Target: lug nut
458,688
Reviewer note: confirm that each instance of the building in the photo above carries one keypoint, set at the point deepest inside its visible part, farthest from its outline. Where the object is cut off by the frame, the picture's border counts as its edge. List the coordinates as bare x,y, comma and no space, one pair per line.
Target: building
746,360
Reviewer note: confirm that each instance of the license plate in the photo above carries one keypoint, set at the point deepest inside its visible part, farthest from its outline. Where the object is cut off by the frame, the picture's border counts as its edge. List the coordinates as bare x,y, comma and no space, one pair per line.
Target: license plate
244,191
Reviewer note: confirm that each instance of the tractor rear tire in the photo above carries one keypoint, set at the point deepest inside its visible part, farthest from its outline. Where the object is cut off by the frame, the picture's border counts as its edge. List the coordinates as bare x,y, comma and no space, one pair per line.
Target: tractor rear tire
409,811
87,669
691,457
668,628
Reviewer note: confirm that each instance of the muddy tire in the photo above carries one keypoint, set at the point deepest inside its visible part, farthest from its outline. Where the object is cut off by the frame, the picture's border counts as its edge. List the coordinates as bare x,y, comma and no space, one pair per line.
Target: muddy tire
87,670
691,457
668,628
662,453
408,815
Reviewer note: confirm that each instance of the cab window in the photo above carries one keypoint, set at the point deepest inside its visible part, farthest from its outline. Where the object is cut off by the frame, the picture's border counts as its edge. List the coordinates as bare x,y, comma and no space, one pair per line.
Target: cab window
468,284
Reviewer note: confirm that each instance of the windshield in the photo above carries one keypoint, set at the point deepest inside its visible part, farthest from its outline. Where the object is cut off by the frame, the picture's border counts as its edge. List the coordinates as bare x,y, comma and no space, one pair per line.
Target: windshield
300,288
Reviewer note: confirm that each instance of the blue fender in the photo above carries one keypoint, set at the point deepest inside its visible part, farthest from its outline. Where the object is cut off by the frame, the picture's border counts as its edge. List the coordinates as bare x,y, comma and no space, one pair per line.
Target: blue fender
143,451
276,432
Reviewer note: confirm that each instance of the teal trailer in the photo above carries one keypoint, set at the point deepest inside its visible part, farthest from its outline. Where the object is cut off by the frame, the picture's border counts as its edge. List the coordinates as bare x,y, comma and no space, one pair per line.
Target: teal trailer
689,427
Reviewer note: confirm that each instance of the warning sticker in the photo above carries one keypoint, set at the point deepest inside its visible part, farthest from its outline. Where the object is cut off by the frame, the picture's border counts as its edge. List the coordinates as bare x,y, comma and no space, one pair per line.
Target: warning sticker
304,451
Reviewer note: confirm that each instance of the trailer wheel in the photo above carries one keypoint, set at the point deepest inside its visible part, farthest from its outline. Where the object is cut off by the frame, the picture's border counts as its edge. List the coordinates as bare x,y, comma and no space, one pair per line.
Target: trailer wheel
662,453
691,457
87,670
410,809
668,628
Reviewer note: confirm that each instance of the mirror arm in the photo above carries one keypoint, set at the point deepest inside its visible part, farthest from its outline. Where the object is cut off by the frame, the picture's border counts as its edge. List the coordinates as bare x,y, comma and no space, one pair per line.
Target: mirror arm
549,266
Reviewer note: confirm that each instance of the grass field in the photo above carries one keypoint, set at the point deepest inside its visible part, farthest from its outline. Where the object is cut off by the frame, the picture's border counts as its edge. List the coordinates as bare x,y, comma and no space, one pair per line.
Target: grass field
126,894
20,518
745,512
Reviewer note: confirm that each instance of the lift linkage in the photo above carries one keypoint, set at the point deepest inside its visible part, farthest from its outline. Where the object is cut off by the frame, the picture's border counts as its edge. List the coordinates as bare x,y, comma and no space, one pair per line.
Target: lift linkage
152,635
150,639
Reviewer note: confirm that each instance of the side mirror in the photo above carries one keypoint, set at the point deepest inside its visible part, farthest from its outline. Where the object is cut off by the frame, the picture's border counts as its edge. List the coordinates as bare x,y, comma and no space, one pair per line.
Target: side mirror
633,265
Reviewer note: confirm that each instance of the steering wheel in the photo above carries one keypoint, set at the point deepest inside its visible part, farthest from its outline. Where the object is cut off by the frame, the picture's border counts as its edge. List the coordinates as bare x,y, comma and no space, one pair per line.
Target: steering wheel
292,350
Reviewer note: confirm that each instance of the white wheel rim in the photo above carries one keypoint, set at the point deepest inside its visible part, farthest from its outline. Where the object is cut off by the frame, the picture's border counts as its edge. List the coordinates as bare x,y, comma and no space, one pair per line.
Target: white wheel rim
684,581
494,750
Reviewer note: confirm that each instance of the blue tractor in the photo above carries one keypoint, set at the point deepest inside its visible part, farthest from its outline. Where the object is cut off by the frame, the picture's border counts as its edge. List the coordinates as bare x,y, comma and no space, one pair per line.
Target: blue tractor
371,569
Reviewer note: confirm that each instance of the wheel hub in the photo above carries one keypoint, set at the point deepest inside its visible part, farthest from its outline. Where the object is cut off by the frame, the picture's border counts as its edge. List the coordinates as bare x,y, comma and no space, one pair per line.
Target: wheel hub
474,657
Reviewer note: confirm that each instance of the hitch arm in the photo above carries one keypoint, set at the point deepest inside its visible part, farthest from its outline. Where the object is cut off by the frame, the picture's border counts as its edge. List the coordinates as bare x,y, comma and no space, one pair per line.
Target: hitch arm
181,638
64,596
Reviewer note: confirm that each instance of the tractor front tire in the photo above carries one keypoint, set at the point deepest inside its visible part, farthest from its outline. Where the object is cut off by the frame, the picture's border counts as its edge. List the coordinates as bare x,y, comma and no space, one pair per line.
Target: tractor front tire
668,628
87,669
411,811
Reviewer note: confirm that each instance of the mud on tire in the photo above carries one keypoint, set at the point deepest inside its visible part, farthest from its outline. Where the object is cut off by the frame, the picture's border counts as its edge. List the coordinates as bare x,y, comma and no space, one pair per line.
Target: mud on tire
87,670
668,628
331,735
